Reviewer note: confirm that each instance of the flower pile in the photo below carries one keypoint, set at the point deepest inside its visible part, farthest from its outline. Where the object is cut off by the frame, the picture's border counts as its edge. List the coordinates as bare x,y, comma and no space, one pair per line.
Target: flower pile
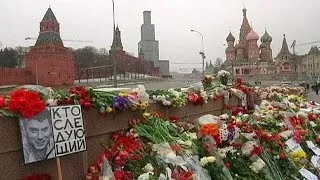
207,81
28,103
279,140
170,97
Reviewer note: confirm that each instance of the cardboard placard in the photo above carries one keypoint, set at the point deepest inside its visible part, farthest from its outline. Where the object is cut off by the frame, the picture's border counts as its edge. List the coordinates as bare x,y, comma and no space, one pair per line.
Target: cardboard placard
56,132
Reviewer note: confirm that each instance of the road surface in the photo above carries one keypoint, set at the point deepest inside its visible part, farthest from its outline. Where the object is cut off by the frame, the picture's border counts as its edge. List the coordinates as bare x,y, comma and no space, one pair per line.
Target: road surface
313,97
163,85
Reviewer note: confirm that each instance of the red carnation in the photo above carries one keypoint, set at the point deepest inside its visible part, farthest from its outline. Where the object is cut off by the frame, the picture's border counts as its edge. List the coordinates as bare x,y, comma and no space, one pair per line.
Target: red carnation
228,165
27,103
318,140
2,102
174,119
257,150
311,116
282,155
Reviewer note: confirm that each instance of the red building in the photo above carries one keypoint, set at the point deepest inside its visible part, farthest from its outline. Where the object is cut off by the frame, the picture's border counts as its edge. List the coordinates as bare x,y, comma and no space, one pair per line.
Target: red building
48,63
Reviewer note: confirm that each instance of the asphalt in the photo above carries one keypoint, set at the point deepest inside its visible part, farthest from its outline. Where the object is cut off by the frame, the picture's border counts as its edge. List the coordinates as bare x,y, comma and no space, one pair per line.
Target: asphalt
311,96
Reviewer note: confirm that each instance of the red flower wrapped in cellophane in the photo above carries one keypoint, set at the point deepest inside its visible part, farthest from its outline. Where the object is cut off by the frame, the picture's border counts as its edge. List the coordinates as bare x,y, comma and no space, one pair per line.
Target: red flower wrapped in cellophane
83,96
27,103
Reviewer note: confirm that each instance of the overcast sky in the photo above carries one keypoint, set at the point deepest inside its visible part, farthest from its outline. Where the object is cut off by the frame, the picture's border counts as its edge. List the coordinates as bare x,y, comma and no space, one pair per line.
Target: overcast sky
173,19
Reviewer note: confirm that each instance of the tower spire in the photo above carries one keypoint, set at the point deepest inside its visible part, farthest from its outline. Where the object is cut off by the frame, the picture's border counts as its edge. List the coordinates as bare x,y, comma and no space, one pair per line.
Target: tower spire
49,30
116,43
244,10
284,47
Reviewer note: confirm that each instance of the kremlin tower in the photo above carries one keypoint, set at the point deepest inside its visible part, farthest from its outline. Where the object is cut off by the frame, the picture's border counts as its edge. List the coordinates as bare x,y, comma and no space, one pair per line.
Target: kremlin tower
50,63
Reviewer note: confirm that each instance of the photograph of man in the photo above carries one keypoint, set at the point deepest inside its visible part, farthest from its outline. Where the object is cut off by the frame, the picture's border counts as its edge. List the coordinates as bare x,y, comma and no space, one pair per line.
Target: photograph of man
37,137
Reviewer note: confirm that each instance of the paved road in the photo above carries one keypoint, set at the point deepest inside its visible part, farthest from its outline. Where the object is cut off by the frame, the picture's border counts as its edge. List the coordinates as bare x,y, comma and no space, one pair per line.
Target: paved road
165,84
313,97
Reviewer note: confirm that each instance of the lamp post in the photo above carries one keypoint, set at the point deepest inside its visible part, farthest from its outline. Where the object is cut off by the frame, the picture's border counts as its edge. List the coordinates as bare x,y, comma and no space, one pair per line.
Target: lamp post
115,83
232,72
257,73
202,51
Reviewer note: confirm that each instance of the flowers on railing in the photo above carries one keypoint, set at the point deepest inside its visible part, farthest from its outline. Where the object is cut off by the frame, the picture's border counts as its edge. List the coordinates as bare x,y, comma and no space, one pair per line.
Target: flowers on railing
223,76
207,81
22,102
170,97
103,101
280,140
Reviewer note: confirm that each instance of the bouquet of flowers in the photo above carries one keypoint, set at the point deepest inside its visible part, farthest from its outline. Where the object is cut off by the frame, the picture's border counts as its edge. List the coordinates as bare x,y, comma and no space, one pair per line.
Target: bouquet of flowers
223,77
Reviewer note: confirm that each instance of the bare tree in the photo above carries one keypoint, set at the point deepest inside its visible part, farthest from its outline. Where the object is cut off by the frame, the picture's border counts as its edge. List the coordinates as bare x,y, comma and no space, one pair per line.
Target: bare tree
218,63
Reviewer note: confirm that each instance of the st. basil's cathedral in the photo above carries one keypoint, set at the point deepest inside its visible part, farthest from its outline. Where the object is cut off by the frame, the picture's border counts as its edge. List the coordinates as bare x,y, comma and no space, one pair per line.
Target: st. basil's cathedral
246,59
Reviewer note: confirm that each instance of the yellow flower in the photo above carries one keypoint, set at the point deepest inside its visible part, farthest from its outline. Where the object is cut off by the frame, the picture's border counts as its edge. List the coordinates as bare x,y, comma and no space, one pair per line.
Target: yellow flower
109,109
146,115
300,154
144,105
123,94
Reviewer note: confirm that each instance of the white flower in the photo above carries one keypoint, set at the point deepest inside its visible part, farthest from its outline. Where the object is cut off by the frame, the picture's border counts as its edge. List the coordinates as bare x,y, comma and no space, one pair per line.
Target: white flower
166,103
148,168
223,73
145,176
248,147
257,165
206,160
193,136
188,143
286,134
106,178
52,102
179,141
171,90
224,116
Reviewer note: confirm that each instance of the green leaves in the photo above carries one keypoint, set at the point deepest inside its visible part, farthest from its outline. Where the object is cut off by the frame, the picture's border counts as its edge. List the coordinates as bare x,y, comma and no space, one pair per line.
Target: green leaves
8,113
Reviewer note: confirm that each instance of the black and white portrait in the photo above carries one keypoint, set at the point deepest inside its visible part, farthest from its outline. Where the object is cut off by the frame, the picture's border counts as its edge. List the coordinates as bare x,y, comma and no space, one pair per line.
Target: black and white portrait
37,137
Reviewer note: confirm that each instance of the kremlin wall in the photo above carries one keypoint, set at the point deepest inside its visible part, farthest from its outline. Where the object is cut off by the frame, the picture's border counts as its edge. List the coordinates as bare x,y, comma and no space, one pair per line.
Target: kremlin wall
50,63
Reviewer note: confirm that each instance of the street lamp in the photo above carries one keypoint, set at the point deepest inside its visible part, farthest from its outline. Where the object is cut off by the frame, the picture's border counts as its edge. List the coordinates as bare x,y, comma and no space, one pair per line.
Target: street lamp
232,72
257,73
202,51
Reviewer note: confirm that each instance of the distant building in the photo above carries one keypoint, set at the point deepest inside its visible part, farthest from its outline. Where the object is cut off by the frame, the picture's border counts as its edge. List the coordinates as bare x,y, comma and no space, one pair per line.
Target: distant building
310,63
48,63
148,47
286,64
128,65
245,57
210,68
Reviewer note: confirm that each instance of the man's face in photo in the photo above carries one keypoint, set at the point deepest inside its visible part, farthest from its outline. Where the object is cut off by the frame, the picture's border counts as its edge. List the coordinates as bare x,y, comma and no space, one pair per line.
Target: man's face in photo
38,133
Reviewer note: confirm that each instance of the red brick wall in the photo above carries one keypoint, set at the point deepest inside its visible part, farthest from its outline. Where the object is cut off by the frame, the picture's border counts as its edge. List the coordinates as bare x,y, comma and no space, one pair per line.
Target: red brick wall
16,76
54,65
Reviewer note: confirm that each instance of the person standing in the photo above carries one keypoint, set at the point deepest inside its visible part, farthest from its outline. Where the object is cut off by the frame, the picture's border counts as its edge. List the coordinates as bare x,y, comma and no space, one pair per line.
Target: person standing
316,88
